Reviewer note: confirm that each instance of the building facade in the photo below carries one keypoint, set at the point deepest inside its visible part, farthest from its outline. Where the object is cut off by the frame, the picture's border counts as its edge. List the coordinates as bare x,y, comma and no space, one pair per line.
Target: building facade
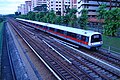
60,5
36,3
27,6
93,5
22,8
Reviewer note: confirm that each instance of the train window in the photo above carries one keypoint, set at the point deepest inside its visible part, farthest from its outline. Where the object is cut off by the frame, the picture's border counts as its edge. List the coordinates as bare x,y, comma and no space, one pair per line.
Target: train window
71,34
83,37
60,31
79,37
52,29
96,38
65,32
45,27
87,39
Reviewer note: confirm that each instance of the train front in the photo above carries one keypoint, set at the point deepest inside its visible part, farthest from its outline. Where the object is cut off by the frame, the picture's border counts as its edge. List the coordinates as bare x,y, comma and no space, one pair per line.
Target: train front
96,41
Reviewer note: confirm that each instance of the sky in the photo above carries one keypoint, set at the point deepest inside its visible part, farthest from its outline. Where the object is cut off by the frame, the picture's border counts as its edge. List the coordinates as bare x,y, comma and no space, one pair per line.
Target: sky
10,6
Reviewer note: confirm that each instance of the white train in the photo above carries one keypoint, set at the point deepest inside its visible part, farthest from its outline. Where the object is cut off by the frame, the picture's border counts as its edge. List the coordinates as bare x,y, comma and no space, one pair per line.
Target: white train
85,38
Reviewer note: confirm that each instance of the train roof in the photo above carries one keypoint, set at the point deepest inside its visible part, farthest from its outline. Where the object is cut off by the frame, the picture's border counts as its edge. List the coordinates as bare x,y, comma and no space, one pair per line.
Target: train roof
65,28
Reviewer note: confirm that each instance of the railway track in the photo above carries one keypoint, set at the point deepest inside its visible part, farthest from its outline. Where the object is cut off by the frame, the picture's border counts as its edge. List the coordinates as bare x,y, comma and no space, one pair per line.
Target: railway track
51,59
78,60
109,58
80,63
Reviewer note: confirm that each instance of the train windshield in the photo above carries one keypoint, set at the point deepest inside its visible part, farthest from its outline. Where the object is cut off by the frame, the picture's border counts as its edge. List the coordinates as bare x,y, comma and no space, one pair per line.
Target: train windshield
96,38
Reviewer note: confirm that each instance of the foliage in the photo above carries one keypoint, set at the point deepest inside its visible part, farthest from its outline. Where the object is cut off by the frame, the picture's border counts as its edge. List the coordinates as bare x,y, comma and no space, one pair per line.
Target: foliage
1,20
83,19
50,17
101,11
23,16
17,13
58,20
39,16
112,21
31,16
73,20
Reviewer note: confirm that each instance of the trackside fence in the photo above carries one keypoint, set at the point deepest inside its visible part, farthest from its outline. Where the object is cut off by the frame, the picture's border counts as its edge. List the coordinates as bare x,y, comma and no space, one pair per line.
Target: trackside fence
110,49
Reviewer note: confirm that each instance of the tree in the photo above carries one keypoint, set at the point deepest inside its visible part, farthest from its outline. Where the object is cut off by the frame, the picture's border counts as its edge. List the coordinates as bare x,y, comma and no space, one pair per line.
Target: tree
58,20
39,16
101,11
83,19
101,15
17,13
1,20
111,19
112,22
31,16
73,17
50,17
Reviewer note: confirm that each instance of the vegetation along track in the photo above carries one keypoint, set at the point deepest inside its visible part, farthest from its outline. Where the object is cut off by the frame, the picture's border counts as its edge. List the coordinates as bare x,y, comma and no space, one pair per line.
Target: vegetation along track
81,62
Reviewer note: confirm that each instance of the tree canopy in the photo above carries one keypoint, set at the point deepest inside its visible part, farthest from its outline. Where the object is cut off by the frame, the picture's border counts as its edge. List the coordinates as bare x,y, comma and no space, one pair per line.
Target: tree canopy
111,19
83,19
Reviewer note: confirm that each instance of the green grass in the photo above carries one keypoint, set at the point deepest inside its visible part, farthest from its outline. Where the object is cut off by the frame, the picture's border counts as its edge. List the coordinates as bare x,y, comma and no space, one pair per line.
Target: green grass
113,42
1,31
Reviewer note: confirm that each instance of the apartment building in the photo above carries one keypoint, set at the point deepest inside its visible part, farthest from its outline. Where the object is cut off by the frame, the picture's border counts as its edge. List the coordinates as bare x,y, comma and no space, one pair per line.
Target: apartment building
21,8
60,5
93,5
27,6
36,3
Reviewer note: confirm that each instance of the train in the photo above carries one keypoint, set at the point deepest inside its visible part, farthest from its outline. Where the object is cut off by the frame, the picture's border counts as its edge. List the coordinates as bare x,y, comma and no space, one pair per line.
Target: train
85,38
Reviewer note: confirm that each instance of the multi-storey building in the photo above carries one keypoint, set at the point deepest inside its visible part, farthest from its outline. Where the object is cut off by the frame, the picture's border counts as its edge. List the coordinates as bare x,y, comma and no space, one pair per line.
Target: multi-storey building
36,3
19,9
60,5
93,5
27,6
22,8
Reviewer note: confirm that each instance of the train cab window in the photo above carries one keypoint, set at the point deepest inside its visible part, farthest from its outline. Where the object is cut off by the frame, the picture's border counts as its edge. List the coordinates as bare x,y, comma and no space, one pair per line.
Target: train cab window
96,38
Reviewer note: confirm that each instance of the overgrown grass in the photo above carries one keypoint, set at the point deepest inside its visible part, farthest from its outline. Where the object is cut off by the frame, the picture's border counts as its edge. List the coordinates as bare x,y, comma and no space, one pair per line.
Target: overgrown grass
1,31
112,42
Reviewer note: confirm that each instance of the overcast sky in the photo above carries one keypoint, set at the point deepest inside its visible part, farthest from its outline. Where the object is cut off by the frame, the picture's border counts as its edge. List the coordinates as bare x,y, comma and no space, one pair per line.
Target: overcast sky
10,6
